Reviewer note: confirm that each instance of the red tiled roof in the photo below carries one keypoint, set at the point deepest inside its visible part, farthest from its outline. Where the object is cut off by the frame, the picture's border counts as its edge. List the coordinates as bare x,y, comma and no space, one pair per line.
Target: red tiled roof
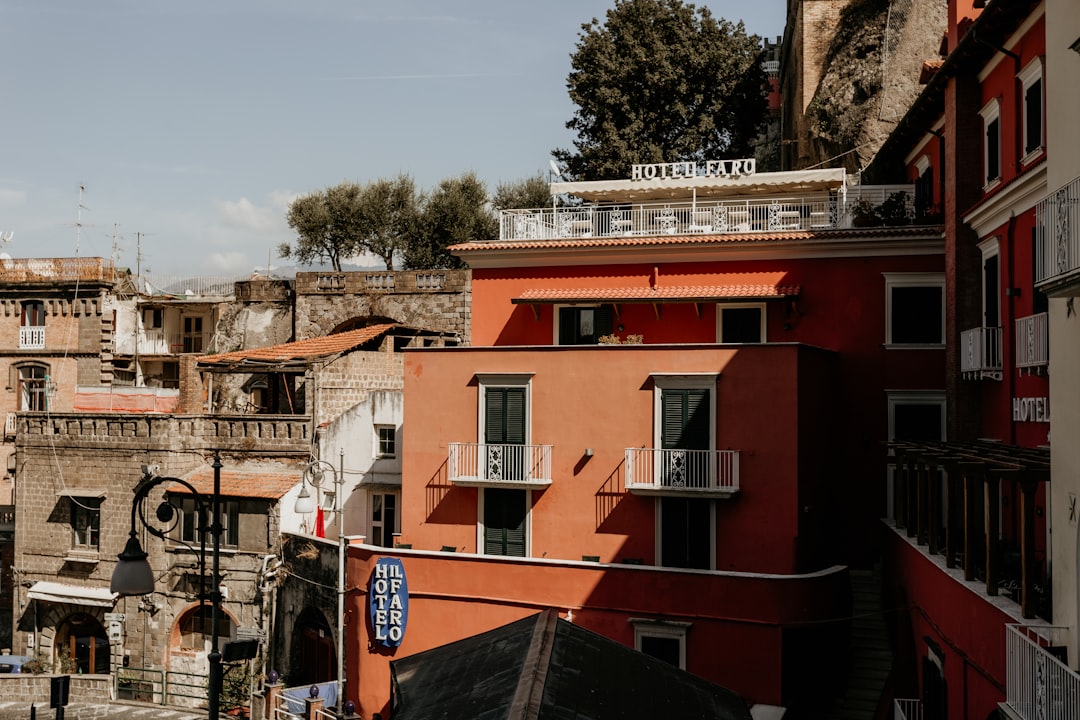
685,293
311,349
270,484
754,238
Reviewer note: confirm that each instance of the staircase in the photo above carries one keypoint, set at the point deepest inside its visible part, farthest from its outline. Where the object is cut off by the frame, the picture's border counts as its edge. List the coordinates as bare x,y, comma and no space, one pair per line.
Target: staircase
870,659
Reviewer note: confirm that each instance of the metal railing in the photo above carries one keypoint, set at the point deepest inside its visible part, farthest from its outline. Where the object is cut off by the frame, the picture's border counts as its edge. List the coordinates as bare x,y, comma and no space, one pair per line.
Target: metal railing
1032,341
980,352
687,471
500,464
1038,685
32,337
190,286
1057,232
907,709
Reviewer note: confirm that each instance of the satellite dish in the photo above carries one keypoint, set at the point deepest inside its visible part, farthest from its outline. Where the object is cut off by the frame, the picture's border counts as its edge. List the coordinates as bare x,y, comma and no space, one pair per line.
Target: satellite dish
555,167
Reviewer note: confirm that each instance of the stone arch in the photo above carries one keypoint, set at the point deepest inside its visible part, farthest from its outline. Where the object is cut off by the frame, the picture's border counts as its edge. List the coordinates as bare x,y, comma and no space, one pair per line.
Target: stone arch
52,618
192,620
313,648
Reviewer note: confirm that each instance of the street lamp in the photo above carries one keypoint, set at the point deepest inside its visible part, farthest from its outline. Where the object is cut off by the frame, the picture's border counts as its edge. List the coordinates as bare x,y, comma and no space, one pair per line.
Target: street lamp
133,575
314,474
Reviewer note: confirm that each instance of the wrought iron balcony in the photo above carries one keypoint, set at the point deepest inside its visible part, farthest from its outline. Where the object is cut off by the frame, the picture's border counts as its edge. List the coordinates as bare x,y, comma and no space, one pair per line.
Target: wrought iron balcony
32,337
500,465
1038,685
1032,343
1057,235
710,473
980,353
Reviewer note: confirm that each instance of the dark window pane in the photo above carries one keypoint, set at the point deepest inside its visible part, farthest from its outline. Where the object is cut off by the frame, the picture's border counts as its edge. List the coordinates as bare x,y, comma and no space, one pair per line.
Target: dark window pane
504,522
993,149
741,325
583,325
916,315
685,526
920,421
661,648
1033,116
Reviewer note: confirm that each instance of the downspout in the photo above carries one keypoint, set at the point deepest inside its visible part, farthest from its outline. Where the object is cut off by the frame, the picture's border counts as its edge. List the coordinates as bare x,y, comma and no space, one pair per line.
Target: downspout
1010,293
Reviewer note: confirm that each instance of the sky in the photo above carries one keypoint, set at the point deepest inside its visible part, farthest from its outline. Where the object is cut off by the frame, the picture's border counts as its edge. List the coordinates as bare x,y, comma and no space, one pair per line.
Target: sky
190,125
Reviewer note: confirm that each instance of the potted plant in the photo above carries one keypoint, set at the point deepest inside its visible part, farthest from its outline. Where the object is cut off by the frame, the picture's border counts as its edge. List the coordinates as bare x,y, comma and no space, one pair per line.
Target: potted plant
865,214
894,211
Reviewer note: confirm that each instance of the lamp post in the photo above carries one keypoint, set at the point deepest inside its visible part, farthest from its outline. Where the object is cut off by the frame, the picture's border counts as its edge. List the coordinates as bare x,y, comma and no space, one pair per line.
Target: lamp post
304,505
134,576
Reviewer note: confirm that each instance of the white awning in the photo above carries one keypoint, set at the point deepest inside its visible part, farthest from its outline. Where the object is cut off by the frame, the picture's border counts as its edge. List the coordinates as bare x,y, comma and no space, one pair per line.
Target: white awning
792,182
75,594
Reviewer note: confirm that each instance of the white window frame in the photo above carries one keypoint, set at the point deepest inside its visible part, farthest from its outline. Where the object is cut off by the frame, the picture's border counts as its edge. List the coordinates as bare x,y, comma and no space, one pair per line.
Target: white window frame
990,248
720,307
668,629
373,523
502,380
922,164
897,280
1029,76
991,112
556,326
378,429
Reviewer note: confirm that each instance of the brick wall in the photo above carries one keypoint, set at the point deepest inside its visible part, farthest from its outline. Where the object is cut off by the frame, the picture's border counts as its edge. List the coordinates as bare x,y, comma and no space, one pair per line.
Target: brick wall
346,381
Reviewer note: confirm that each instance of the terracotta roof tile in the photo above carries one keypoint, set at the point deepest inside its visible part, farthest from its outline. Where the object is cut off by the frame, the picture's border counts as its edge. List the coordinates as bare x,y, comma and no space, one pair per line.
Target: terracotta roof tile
311,349
269,483
731,285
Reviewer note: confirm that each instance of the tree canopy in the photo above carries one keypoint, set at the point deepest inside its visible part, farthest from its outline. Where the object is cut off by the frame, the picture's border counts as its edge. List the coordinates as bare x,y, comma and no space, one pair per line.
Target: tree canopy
662,81
457,211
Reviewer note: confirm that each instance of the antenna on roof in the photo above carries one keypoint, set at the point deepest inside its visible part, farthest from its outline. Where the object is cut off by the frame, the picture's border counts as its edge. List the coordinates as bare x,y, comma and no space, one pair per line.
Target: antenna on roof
556,171
7,237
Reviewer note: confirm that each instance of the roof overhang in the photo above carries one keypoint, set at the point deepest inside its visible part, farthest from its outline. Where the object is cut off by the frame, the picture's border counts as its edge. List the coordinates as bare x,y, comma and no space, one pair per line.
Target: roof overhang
611,191
82,493
54,592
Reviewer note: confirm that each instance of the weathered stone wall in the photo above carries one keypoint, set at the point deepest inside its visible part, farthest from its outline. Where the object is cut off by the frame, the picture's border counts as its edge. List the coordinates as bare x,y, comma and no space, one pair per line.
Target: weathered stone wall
431,299
27,688
345,382
306,581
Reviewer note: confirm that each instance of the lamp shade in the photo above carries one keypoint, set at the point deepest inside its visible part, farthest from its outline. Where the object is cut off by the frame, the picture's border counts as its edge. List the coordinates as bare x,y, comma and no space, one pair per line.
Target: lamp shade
304,503
133,574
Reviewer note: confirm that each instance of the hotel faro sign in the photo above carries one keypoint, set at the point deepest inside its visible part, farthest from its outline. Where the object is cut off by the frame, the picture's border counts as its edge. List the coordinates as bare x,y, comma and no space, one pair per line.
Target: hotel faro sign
388,602
681,170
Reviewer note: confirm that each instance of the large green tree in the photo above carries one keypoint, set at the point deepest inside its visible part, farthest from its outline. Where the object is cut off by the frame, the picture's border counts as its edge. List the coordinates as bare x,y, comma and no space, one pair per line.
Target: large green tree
662,81
329,225
457,211
531,192
391,215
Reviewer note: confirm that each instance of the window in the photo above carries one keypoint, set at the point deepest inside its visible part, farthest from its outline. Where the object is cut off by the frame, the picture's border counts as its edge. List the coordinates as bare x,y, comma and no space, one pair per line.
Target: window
916,416
685,434
85,523
1031,84
33,386
991,115
33,314
583,325
196,628
924,187
193,337
663,640
152,318
742,323
504,433
991,283
384,522
386,438
189,522
914,309
505,518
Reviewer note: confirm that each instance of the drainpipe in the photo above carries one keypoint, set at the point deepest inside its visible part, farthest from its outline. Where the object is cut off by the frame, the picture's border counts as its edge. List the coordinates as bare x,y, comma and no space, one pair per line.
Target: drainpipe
1011,293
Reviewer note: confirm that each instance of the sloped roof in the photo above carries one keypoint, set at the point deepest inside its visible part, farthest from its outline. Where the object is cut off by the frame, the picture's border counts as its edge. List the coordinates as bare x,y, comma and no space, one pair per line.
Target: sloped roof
732,286
795,181
269,482
301,352
545,668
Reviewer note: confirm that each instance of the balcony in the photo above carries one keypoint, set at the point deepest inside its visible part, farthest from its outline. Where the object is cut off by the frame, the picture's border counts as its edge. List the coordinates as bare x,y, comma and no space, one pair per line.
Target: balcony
159,342
1032,343
500,465
32,337
980,353
699,473
1038,684
822,211
907,709
1057,239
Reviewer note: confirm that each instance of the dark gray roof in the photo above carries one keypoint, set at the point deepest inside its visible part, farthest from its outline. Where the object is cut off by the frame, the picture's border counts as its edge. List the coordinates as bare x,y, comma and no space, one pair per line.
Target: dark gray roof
545,668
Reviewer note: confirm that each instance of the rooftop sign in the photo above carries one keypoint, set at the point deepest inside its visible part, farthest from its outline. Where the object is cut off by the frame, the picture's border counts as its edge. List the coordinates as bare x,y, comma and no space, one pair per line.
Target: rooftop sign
676,170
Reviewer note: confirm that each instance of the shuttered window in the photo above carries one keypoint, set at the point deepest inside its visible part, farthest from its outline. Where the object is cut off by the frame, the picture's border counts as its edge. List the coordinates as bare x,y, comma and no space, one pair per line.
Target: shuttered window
685,419
504,415
504,522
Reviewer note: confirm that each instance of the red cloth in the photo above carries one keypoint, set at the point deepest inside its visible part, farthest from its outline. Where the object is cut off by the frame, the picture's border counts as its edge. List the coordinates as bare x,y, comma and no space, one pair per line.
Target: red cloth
320,527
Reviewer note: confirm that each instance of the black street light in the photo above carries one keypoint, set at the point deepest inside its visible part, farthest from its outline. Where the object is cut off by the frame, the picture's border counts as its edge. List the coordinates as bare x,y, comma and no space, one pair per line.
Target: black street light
133,575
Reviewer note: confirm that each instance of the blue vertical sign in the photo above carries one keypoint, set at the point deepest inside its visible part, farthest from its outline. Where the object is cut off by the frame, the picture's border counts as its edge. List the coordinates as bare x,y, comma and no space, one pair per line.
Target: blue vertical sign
388,602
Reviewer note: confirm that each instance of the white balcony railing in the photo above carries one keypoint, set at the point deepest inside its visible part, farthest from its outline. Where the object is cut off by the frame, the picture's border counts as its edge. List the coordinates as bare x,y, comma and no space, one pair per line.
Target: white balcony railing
677,472
500,465
980,352
907,709
32,337
1038,685
1057,232
160,342
1032,342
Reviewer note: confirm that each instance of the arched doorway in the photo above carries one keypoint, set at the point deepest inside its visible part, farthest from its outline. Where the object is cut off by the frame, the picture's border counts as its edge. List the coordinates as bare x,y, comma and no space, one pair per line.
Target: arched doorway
83,639
314,656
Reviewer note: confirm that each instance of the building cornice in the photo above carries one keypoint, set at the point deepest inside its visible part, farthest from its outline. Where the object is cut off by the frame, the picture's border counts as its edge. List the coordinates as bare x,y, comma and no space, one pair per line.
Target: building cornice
1015,198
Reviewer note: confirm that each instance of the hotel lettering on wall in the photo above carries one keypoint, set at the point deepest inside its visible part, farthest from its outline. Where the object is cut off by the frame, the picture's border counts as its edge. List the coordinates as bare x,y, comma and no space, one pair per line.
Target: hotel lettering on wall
676,170
1031,409
388,602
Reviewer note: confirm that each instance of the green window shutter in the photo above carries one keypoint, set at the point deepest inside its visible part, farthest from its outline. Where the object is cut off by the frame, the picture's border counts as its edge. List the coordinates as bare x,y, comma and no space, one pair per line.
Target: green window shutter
684,419
504,415
504,522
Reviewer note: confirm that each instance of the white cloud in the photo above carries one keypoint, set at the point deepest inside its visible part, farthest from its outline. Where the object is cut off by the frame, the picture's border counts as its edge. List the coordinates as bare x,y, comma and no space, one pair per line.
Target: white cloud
244,214
228,263
12,198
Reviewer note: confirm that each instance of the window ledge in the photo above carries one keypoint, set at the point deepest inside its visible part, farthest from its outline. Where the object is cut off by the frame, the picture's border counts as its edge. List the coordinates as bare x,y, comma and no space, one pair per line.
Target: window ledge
181,550
1032,156
82,556
990,185
914,346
